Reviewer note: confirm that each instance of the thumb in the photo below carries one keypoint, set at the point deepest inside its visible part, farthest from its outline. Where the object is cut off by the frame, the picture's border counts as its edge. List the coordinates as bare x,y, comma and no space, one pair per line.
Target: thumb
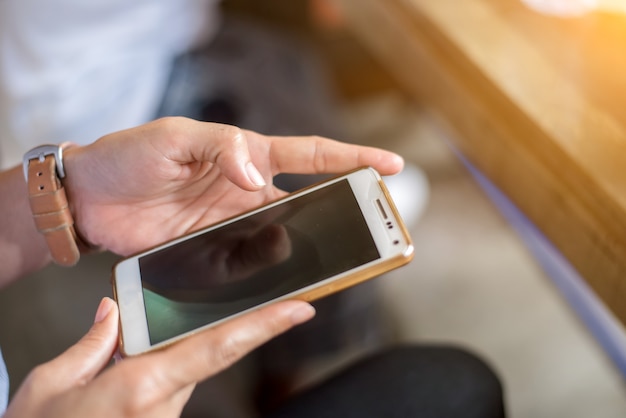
84,360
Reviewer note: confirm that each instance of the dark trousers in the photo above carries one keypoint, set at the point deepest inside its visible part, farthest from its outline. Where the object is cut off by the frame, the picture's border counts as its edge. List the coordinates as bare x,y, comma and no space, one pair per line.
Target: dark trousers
421,381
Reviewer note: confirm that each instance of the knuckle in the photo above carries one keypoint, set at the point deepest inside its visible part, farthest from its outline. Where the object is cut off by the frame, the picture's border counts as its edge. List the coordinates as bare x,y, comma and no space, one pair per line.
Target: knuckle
172,126
170,122
230,140
139,393
132,407
225,354
233,135
319,159
93,341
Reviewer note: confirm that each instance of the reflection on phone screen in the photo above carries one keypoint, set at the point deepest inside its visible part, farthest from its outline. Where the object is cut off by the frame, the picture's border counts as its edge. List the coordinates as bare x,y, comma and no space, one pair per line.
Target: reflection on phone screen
254,260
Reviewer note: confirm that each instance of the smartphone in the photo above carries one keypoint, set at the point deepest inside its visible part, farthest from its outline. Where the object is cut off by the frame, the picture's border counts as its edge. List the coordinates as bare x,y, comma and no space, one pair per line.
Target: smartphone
307,245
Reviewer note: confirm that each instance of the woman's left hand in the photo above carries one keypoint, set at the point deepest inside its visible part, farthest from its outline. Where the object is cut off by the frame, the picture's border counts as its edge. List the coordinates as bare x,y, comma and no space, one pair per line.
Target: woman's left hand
137,188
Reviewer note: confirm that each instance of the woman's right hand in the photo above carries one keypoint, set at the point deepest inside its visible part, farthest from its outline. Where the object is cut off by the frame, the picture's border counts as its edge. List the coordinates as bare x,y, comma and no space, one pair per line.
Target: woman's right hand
156,384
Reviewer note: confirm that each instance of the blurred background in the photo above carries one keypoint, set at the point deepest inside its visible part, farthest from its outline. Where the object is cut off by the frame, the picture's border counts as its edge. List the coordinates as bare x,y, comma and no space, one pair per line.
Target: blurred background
472,283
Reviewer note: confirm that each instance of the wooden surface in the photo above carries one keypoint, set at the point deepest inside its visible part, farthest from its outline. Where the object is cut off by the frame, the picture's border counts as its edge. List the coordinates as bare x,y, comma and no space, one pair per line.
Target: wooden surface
537,103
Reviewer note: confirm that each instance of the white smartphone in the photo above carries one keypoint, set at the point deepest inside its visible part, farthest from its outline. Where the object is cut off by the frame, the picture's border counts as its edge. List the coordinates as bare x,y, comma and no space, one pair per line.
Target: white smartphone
305,246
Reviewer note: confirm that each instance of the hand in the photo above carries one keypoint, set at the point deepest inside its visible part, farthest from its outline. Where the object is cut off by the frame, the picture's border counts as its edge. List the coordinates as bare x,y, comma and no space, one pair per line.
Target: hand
140,187
156,384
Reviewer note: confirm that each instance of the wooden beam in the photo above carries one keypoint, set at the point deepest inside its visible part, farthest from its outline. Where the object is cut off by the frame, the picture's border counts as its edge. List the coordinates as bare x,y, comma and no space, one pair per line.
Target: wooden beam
537,103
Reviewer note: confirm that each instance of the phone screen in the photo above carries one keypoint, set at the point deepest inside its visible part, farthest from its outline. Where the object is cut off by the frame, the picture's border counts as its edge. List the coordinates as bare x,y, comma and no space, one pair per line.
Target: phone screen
254,260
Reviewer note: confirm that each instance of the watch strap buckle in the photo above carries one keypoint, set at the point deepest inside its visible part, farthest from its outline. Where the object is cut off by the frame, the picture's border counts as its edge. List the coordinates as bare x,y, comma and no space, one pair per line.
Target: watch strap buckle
40,153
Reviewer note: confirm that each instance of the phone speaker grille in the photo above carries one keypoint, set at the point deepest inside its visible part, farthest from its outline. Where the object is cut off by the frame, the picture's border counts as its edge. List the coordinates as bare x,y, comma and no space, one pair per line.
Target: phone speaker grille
381,208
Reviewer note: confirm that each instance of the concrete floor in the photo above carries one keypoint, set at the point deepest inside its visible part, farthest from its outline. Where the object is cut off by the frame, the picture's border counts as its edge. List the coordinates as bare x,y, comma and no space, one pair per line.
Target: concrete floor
472,283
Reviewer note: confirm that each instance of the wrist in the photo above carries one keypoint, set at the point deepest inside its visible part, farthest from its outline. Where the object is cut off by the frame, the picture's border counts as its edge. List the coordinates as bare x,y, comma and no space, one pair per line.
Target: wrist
44,170
74,189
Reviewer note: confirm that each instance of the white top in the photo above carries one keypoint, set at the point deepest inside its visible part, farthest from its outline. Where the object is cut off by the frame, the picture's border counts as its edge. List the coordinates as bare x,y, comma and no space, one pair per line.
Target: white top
4,385
74,70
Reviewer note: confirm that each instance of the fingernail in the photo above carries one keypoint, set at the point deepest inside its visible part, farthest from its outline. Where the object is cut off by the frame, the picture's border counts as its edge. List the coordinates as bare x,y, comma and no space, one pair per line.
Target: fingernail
302,314
103,310
254,175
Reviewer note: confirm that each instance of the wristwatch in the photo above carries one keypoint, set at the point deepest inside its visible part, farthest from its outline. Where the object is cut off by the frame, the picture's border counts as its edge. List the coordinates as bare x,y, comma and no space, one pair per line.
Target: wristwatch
44,171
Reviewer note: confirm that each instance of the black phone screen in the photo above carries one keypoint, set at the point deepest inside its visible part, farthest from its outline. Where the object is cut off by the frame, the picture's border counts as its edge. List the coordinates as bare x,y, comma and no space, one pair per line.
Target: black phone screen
254,260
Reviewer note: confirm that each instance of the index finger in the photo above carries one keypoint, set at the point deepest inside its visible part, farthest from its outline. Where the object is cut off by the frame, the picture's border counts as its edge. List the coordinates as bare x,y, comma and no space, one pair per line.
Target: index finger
157,376
318,155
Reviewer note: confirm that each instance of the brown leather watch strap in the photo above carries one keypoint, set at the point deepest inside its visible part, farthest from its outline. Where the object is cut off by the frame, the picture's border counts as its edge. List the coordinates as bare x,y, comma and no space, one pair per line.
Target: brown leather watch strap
49,204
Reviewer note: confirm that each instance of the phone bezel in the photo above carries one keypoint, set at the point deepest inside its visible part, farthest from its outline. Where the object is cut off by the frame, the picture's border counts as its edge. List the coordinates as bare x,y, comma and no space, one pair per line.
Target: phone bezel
389,234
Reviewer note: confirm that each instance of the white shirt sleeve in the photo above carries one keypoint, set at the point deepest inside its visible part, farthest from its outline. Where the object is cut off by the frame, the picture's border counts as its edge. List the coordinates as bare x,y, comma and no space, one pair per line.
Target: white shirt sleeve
74,70
4,386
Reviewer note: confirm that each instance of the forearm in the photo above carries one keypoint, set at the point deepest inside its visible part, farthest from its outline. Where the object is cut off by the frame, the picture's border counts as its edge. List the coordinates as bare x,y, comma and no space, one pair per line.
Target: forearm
22,248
